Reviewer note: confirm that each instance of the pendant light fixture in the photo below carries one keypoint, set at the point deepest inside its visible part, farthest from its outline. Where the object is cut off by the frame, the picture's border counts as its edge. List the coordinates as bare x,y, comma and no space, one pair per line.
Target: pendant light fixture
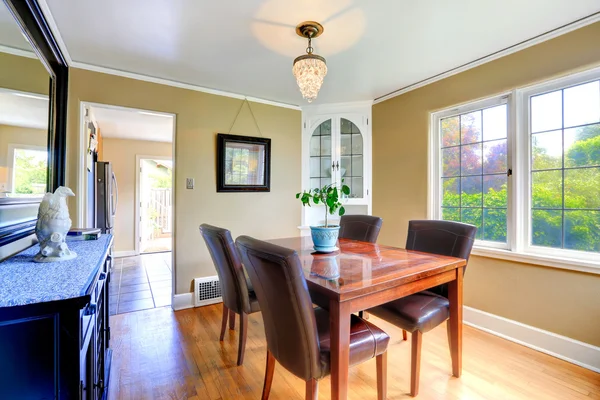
309,69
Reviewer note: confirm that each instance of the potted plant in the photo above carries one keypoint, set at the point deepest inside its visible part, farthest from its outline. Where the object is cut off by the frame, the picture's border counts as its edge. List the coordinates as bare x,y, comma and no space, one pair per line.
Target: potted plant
325,236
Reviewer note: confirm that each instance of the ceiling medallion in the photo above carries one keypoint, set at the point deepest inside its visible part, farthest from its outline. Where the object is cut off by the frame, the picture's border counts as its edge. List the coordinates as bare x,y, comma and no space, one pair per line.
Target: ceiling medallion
309,69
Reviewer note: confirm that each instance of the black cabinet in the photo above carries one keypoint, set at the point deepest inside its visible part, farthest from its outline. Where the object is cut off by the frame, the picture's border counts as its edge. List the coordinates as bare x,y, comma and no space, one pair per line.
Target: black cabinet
58,349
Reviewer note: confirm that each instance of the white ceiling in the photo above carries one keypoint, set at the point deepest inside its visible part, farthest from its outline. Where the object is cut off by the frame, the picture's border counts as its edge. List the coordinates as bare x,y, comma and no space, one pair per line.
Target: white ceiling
120,123
10,33
27,112
372,47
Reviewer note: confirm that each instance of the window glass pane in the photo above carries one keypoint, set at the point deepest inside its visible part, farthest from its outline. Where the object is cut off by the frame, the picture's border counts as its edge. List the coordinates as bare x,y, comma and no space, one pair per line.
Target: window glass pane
471,159
546,228
346,144
29,171
450,192
582,188
546,150
495,121
451,214
325,167
582,104
357,187
315,167
495,191
326,128
450,131
315,146
494,225
546,189
582,230
494,157
326,145
546,112
471,195
451,161
357,143
473,216
346,126
470,127
582,146
346,166
357,166
315,183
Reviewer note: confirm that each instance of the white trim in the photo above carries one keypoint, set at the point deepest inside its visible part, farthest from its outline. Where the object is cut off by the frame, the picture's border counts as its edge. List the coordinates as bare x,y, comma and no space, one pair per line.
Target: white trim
137,214
124,253
17,52
168,82
538,259
565,348
182,301
494,56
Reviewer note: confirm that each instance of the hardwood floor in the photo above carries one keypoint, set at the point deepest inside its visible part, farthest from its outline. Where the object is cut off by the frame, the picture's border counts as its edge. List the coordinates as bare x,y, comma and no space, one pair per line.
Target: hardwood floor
161,354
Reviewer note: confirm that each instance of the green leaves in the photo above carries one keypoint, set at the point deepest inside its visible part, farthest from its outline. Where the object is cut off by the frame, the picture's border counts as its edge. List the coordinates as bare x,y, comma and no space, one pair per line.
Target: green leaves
329,195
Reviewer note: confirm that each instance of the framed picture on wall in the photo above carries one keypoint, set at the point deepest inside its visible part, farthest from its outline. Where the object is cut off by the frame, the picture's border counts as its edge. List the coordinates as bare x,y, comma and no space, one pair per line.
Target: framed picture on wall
243,164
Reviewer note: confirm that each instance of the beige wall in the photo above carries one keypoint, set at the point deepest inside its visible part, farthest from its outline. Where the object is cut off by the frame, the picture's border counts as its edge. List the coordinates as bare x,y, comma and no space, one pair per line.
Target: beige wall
18,135
199,117
559,301
24,74
121,153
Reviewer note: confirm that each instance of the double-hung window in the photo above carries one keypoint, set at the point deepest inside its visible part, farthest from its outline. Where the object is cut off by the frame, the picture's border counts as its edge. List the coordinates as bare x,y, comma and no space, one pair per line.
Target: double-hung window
549,136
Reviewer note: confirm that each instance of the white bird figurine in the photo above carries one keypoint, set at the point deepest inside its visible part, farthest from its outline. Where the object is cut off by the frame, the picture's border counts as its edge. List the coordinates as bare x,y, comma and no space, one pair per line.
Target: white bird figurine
52,226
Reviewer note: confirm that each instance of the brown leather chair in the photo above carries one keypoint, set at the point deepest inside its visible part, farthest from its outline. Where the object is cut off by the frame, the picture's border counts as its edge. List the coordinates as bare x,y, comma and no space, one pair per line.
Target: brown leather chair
421,312
238,295
298,335
360,227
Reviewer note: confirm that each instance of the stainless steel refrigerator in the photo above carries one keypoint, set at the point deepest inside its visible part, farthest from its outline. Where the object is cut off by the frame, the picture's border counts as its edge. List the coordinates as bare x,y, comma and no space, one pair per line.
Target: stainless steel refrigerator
107,196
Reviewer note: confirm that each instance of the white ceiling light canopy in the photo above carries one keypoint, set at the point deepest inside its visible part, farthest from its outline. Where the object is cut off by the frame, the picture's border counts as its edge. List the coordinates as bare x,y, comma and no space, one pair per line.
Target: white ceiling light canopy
309,69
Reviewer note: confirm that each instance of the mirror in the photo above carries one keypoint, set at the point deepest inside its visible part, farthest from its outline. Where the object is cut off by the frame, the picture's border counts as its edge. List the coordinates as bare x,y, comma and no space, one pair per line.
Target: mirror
24,107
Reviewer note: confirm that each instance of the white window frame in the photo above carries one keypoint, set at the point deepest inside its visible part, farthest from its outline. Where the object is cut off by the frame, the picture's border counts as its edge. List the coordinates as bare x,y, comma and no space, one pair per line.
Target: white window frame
435,165
518,246
11,162
523,105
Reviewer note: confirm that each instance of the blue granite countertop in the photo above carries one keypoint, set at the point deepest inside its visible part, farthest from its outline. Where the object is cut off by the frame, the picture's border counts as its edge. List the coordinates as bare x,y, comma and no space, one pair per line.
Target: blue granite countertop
23,281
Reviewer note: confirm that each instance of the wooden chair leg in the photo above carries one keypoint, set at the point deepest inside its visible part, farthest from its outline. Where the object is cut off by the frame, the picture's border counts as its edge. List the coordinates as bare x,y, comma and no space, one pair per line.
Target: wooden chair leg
231,320
312,389
243,335
415,362
224,321
382,376
404,335
269,371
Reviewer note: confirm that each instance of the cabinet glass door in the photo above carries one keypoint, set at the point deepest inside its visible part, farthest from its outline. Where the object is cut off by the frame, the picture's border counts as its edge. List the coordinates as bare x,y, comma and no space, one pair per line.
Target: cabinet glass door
351,168
320,155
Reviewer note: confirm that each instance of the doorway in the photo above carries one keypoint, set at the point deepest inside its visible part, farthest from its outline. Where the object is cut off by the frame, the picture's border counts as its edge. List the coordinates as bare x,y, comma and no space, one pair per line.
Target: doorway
155,185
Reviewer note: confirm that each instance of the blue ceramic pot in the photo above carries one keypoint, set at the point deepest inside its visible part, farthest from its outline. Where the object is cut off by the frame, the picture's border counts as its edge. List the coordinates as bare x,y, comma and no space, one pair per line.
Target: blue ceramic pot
325,238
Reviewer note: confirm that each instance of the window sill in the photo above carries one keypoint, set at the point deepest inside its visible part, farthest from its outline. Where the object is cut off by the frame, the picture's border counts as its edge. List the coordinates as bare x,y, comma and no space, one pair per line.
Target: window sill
589,267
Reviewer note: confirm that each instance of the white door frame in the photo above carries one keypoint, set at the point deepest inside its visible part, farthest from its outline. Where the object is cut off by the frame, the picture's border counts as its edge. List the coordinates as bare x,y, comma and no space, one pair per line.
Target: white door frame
138,159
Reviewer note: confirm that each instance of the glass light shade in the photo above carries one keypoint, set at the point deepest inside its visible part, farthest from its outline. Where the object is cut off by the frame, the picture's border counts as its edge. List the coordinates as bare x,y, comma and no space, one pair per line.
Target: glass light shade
309,70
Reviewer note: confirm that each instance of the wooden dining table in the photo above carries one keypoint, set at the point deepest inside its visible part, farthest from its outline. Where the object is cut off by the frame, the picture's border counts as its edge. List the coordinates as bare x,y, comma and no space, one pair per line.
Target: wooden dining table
362,275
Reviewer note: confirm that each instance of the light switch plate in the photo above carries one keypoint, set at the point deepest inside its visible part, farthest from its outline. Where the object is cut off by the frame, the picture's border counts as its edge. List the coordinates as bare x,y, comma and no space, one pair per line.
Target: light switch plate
189,183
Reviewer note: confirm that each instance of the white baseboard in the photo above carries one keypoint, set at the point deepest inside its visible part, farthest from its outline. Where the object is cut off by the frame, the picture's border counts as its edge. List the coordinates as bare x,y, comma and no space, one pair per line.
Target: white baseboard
124,253
182,301
571,350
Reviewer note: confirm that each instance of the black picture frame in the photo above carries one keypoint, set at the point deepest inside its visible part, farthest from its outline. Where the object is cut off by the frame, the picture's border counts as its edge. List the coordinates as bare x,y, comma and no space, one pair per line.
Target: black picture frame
223,185
18,216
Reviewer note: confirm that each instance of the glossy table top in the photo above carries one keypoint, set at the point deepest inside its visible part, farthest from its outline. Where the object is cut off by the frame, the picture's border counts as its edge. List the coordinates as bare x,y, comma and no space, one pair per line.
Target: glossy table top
359,267
23,281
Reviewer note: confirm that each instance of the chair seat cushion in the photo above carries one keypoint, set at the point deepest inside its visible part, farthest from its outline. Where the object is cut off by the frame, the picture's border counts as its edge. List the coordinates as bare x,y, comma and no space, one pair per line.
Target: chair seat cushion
366,340
418,312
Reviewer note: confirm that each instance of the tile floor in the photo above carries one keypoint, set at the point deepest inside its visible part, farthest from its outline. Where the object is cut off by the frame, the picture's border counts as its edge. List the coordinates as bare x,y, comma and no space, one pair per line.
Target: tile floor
140,282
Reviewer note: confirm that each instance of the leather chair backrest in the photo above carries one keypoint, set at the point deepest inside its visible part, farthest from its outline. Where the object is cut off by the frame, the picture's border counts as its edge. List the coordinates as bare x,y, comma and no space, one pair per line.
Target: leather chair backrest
289,319
229,267
360,227
447,238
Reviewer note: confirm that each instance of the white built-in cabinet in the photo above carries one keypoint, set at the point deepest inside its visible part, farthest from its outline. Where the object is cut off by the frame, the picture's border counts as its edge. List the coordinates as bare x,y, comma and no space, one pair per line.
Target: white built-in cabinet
336,147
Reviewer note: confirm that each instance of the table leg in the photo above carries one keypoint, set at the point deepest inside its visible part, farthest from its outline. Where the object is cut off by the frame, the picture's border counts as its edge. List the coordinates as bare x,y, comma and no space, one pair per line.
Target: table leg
339,319
455,296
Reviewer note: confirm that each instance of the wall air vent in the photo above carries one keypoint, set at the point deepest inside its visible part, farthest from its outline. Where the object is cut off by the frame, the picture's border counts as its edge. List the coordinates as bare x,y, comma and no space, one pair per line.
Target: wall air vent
207,291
